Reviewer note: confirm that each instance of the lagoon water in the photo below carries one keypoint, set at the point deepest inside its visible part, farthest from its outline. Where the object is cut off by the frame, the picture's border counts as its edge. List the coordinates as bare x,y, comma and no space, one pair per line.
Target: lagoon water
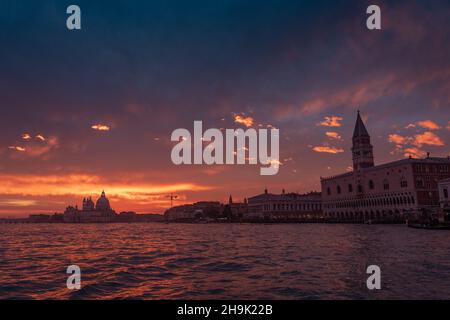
223,261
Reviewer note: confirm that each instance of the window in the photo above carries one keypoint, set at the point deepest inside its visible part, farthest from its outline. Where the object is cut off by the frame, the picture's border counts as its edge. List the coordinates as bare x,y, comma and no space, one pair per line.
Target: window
328,191
350,188
445,193
371,185
339,189
419,183
360,188
386,184
403,183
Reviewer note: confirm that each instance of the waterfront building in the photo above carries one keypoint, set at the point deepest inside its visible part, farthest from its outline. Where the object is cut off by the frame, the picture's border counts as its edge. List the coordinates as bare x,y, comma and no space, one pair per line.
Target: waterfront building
195,211
382,193
89,213
45,218
444,191
238,209
284,206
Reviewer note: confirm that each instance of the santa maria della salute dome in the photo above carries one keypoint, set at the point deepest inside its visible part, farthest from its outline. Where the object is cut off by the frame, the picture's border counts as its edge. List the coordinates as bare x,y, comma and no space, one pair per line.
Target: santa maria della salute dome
101,212
102,203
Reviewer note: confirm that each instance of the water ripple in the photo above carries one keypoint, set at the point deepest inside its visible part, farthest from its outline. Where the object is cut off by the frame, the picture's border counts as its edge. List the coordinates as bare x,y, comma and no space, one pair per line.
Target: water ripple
222,261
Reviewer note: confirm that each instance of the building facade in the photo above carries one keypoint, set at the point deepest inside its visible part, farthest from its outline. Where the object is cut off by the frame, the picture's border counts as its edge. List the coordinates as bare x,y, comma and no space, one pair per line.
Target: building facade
285,206
444,192
382,193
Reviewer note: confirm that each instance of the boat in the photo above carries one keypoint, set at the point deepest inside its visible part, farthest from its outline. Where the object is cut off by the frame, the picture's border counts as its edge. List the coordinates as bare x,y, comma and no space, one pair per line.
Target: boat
439,226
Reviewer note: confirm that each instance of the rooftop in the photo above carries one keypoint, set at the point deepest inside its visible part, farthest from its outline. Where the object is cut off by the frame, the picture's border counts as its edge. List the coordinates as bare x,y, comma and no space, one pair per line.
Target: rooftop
430,160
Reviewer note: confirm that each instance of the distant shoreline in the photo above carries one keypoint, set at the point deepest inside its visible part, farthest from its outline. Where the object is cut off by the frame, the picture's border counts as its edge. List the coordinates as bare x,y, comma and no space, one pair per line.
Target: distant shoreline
25,221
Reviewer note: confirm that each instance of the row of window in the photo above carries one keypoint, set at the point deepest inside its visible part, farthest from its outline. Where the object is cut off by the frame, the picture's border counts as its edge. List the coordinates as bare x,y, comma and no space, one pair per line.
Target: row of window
390,201
429,182
371,185
443,168
364,215
292,207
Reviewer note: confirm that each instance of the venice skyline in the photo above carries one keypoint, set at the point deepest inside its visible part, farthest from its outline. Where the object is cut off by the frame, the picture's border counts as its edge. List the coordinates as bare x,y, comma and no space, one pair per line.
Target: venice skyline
96,110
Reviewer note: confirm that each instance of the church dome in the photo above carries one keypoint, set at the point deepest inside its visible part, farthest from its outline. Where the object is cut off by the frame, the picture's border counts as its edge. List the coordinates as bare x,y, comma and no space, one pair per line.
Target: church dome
102,203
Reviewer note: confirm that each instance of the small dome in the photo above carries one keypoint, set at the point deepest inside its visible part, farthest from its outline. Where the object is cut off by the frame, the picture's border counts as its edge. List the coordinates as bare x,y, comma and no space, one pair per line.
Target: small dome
102,203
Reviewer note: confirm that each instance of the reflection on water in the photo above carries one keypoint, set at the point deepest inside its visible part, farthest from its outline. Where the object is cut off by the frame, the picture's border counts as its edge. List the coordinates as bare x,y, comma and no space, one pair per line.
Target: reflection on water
223,261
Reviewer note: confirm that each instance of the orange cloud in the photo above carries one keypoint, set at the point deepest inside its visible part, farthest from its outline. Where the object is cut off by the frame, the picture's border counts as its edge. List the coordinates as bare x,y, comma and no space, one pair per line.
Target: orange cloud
37,149
414,152
409,145
18,202
333,135
398,139
428,124
17,148
101,127
40,137
325,149
246,121
26,136
332,121
428,138
83,185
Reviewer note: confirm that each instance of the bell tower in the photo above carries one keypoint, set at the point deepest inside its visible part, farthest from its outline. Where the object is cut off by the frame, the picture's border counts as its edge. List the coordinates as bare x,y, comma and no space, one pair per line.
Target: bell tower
362,150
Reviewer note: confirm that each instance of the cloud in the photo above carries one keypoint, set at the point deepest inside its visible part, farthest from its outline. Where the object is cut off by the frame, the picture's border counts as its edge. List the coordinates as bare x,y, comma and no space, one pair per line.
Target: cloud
325,149
101,127
40,137
414,152
333,135
428,138
34,149
409,145
448,126
18,202
17,148
246,121
332,121
275,163
428,124
396,84
83,184
398,139
352,96
37,150
26,136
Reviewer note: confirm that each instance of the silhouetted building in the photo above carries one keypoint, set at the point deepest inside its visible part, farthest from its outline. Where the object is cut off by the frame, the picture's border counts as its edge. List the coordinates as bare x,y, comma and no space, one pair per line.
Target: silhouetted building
39,218
196,211
101,213
45,218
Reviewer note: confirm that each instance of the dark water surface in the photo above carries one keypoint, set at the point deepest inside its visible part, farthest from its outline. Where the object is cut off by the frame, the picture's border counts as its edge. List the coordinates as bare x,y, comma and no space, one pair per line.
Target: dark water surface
215,261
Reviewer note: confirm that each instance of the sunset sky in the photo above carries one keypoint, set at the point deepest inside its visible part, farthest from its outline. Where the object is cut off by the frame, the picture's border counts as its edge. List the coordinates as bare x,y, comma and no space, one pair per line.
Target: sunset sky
92,110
